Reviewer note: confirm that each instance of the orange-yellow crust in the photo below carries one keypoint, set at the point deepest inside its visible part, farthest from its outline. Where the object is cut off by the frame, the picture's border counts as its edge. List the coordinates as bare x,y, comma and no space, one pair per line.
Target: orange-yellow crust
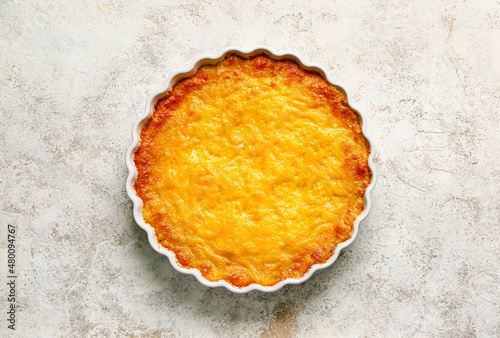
252,170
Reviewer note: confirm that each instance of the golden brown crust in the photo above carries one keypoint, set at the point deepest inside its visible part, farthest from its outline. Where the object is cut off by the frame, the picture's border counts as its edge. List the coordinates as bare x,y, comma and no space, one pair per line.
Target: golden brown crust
223,155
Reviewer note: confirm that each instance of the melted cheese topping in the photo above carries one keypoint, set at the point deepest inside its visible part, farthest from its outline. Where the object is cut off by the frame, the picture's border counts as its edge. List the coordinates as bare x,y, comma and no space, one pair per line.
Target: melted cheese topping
252,170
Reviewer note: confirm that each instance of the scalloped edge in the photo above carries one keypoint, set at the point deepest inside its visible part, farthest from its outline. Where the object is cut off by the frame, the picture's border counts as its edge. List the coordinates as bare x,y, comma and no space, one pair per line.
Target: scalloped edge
138,204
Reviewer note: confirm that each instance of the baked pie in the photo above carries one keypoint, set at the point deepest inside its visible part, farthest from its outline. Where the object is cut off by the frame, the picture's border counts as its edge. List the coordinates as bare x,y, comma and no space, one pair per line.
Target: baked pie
252,170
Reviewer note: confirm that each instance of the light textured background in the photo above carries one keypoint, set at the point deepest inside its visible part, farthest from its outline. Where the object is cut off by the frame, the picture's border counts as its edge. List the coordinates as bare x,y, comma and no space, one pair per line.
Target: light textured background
74,77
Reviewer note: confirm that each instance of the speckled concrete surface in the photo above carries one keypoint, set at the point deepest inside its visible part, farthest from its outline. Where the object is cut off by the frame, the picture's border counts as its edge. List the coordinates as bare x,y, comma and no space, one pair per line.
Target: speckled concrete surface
74,77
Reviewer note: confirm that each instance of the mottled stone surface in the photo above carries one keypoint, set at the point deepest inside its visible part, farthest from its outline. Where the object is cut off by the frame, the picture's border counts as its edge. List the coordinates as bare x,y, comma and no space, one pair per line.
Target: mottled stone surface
74,77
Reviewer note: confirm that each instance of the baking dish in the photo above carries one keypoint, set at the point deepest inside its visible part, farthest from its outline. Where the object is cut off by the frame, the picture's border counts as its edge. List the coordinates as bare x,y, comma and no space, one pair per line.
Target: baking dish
137,210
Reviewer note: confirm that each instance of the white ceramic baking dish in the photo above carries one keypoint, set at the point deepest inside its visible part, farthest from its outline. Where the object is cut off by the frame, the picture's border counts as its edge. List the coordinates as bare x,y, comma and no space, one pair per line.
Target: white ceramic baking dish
132,177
